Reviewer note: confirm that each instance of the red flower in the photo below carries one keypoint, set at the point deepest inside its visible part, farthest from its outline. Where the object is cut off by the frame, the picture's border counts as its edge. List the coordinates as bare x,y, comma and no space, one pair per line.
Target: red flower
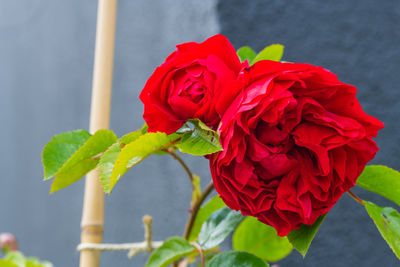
190,83
295,139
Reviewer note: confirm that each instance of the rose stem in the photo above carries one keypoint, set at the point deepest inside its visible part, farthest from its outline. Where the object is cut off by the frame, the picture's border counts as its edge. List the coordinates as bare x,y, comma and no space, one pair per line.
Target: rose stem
173,154
356,198
200,250
195,210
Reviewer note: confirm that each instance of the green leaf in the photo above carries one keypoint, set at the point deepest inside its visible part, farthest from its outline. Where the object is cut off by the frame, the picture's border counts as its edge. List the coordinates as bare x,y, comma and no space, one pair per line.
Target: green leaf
83,160
35,262
273,52
16,257
245,52
196,189
218,226
144,129
200,141
60,148
107,161
171,250
214,204
387,220
261,240
7,263
381,180
46,264
236,259
301,238
136,151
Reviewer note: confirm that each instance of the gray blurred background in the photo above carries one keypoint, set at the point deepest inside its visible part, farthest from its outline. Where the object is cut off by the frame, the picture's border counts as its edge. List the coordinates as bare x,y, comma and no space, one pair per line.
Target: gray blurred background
46,59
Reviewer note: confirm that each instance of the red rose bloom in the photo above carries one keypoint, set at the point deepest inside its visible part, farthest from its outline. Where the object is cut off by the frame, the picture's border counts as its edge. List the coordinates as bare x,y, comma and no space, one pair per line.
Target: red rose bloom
189,83
295,139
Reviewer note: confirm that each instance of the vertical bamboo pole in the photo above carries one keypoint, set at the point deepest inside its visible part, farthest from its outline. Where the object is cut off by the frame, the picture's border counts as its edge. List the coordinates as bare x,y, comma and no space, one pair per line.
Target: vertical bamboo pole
93,203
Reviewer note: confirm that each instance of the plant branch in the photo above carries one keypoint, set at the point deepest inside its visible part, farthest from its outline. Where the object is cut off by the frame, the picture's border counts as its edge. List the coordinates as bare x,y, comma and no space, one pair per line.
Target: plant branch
356,198
134,248
200,250
180,160
195,210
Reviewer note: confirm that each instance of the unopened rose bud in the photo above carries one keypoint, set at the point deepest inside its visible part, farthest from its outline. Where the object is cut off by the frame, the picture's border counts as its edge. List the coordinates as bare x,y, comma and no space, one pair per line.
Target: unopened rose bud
8,242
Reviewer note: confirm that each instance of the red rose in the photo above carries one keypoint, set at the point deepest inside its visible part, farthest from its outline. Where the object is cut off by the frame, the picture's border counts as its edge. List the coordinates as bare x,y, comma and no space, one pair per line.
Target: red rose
190,83
295,139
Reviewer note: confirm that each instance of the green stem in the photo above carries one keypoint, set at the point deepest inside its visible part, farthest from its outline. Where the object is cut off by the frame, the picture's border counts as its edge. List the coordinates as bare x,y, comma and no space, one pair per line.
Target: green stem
200,250
196,208
356,198
184,165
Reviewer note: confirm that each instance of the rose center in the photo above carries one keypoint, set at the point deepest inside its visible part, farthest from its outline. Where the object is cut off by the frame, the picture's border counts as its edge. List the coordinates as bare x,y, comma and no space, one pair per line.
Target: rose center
194,90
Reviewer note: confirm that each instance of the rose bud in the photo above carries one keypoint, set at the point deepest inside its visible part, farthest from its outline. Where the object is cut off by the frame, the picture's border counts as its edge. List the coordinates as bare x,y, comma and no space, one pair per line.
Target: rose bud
190,83
8,242
294,140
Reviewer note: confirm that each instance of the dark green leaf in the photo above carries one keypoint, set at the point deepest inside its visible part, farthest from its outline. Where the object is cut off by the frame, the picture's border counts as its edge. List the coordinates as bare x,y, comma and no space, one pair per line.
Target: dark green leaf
134,152
218,226
246,52
60,148
109,157
387,220
301,238
261,240
236,259
273,52
83,160
381,180
200,141
214,204
172,250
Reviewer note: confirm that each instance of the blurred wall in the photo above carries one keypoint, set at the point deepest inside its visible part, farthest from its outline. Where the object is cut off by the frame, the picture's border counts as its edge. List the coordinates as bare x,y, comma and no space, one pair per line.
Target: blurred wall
359,41
46,58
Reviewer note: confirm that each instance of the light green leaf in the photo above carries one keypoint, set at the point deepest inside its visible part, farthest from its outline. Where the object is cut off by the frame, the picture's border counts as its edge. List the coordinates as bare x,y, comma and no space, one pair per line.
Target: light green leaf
144,129
214,204
16,257
261,240
301,238
172,250
196,189
245,52
35,262
273,52
107,161
218,226
236,259
46,264
381,180
387,220
60,148
7,263
200,141
136,151
83,160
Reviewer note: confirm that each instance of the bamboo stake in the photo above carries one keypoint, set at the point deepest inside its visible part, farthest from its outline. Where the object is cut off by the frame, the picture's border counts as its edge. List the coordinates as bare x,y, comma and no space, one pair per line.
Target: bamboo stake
93,203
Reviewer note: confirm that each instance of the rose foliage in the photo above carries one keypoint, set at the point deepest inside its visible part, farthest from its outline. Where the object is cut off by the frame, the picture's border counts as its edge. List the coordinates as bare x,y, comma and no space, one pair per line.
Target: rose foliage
284,142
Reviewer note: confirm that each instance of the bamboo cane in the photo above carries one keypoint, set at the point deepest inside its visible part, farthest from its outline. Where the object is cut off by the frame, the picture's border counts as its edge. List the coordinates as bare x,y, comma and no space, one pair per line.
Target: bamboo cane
93,203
